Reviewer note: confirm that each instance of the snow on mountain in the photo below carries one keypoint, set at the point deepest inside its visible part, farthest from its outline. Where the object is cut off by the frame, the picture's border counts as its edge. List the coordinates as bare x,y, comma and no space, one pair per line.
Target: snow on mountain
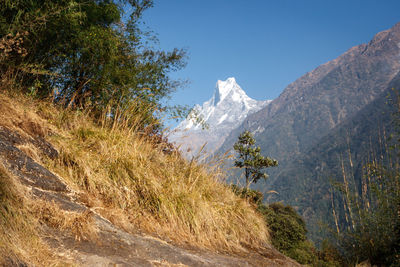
225,111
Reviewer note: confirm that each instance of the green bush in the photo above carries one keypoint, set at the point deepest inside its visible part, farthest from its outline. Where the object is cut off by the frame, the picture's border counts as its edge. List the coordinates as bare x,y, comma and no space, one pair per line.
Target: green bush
304,252
288,231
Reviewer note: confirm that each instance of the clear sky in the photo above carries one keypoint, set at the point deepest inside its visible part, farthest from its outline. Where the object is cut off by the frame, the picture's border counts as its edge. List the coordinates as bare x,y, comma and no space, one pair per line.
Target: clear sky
264,44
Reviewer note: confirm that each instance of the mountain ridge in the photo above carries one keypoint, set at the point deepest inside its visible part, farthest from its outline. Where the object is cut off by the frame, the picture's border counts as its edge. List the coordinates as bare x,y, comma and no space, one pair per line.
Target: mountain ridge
224,111
294,94
313,105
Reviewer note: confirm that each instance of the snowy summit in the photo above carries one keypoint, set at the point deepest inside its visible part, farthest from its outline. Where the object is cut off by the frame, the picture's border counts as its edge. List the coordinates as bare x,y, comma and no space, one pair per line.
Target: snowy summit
226,110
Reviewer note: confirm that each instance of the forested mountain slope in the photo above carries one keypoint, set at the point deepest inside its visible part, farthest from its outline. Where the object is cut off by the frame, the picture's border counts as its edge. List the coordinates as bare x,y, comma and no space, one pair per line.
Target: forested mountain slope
313,106
307,181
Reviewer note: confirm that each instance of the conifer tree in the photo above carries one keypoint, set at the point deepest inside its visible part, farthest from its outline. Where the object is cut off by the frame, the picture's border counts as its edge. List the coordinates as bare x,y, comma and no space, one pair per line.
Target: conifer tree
250,158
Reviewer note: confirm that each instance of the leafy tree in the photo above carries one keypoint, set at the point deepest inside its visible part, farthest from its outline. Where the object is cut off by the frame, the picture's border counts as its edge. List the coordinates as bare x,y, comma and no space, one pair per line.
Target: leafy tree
287,226
288,235
250,158
86,53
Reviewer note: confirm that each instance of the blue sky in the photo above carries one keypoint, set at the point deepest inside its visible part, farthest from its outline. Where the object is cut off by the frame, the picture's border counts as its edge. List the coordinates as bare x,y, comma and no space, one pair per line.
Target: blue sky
264,44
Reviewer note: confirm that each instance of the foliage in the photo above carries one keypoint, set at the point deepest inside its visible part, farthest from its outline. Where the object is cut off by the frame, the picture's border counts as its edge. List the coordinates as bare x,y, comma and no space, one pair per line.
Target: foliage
371,223
304,252
287,227
250,158
288,231
85,53
288,234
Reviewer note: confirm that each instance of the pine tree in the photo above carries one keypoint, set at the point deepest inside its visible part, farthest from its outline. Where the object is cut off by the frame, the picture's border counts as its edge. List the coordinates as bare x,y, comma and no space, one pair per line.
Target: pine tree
250,158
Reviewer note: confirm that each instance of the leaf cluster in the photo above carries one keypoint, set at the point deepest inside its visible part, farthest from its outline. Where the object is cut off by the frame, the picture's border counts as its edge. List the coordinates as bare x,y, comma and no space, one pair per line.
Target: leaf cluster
287,227
373,231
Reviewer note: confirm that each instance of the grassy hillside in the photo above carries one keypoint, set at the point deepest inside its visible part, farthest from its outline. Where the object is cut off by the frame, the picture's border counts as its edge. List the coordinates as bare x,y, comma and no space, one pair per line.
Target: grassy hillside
18,238
124,175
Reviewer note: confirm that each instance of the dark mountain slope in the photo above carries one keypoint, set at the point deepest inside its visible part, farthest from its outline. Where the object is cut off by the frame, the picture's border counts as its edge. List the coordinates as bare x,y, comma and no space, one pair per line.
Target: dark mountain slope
315,103
312,106
305,182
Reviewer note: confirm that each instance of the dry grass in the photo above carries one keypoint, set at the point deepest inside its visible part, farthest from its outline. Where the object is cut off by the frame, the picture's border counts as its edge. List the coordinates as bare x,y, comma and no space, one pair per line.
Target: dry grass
161,193
19,113
130,180
81,225
19,238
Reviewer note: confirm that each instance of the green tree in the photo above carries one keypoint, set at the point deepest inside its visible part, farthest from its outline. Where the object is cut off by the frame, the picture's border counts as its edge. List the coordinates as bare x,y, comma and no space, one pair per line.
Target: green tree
250,158
288,231
86,53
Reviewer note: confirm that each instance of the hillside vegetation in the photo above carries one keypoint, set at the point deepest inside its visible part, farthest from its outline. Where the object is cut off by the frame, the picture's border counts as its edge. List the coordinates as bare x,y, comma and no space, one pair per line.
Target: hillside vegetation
125,176
82,91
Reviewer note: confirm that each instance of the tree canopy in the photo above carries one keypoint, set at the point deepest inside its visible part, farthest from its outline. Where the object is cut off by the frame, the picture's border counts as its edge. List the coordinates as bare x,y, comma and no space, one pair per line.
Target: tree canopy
85,52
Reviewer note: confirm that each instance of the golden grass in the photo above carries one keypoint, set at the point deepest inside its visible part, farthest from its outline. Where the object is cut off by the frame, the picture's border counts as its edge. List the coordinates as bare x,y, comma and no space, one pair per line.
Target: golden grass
161,193
20,226
19,239
127,178
81,225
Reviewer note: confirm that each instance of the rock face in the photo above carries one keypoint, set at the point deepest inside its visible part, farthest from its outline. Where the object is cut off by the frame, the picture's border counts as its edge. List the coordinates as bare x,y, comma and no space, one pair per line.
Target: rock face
225,111
312,108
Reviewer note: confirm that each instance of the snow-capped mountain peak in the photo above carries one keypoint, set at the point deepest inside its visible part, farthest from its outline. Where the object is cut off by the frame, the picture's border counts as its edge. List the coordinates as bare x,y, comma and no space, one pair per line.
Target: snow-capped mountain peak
226,110
227,88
